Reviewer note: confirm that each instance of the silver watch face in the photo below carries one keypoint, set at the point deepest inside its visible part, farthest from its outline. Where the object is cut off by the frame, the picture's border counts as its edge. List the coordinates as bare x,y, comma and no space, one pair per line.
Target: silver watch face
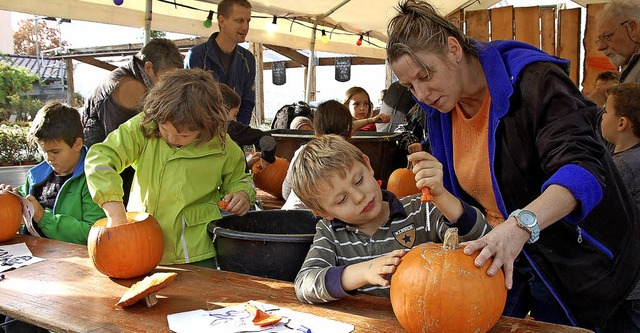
527,218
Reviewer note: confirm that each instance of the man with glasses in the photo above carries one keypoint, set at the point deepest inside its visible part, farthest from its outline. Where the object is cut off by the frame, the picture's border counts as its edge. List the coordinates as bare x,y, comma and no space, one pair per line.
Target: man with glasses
618,29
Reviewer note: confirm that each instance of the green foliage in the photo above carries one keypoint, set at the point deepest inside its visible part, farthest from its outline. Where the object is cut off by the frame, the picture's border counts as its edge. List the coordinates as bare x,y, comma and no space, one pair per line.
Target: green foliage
15,147
158,34
15,81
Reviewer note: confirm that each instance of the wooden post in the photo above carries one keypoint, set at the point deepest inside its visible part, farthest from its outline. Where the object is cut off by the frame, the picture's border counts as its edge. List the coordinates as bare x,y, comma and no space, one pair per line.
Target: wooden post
258,111
71,89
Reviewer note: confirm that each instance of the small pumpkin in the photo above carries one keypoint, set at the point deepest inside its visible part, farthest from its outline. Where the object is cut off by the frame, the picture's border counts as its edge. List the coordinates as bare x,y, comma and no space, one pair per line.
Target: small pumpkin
271,177
402,182
437,288
10,215
127,250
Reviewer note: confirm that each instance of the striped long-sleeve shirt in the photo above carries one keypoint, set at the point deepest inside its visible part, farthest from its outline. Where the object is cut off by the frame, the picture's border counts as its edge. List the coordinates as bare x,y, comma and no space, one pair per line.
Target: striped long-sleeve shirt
337,244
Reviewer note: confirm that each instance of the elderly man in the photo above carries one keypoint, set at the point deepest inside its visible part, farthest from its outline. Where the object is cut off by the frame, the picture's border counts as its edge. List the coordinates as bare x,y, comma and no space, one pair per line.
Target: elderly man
618,29
228,63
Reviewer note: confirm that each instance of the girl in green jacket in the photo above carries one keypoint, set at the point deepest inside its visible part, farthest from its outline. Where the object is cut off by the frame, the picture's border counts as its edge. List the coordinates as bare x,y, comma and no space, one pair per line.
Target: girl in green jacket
185,164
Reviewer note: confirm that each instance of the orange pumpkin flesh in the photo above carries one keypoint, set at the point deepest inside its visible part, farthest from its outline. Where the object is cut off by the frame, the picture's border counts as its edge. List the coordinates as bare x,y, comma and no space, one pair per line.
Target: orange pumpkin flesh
441,290
10,215
271,177
128,250
402,183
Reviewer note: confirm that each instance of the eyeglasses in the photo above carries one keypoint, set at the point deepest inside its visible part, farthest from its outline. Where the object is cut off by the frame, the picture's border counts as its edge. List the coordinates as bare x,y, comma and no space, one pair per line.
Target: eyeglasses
607,37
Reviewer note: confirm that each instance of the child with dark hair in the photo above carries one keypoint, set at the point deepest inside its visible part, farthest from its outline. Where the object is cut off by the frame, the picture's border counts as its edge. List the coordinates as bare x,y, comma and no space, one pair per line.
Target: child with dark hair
57,188
620,126
331,117
185,163
243,135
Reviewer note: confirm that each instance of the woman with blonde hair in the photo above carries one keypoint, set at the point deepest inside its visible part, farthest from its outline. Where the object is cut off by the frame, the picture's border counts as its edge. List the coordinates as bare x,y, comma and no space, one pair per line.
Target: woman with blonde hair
515,135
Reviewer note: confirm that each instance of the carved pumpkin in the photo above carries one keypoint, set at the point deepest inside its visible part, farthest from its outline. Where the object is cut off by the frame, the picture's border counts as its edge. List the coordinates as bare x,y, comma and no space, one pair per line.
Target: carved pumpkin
402,182
127,250
271,177
437,288
10,215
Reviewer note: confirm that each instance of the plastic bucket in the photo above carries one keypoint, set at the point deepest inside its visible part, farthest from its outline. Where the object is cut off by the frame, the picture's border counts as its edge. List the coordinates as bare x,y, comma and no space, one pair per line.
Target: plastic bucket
270,243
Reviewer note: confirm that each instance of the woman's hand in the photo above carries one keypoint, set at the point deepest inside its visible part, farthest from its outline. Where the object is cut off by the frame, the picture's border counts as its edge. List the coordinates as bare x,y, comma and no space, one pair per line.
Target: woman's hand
503,243
237,203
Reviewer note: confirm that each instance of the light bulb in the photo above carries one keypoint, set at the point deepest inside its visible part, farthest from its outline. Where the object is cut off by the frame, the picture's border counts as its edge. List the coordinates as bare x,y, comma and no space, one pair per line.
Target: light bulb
324,37
273,26
118,2
359,42
207,22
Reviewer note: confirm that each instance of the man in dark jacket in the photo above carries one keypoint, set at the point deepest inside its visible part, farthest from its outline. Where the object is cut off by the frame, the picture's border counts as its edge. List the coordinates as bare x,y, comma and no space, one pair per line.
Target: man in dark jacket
229,63
116,99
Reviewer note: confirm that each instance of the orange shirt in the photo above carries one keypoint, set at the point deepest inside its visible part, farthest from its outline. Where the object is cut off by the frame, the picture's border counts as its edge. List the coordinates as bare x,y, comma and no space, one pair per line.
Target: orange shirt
471,158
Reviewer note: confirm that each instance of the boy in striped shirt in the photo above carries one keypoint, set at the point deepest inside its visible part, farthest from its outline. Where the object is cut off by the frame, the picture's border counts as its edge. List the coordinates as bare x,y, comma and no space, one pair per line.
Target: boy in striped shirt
365,230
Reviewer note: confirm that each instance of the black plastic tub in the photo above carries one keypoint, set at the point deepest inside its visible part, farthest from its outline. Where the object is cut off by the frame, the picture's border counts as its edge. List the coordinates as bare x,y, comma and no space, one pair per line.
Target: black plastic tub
269,243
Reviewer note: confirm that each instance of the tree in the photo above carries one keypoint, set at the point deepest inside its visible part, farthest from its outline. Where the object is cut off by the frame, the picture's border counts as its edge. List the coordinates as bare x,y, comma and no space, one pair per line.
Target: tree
15,81
24,39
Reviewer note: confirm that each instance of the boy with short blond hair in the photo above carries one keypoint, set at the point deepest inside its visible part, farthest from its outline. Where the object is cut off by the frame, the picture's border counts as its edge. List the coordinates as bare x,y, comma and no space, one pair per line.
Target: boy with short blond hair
366,230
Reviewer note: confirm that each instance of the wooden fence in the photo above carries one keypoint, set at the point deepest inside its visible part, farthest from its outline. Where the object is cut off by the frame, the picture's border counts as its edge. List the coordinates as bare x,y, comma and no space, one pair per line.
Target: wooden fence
557,32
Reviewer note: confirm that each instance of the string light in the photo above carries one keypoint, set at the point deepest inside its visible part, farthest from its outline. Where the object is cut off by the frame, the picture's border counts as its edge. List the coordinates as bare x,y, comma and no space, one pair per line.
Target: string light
207,22
324,37
118,2
273,26
359,42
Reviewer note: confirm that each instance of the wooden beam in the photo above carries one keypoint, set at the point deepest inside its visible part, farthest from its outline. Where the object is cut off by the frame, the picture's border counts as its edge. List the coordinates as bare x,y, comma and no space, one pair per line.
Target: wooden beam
289,53
71,89
354,61
527,25
569,40
258,111
96,62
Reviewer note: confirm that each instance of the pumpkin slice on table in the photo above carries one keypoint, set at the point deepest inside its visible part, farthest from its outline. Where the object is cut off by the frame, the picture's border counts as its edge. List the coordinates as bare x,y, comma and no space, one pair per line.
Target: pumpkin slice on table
146,289
261,318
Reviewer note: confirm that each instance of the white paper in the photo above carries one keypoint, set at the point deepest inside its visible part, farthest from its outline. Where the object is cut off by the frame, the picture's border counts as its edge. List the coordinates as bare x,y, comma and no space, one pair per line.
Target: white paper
16,255
236,319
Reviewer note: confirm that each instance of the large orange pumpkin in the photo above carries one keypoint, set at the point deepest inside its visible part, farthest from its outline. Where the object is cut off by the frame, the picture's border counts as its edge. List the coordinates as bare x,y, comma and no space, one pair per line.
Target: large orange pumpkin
10,215
402,182
127,250
437,288
271,177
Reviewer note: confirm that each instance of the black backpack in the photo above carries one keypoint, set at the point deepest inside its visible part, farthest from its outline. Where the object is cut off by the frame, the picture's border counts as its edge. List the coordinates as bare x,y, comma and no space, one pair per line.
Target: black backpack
284,116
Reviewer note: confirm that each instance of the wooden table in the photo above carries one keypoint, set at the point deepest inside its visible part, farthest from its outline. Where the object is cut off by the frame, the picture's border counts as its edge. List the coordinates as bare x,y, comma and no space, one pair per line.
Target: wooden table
65,293
267,200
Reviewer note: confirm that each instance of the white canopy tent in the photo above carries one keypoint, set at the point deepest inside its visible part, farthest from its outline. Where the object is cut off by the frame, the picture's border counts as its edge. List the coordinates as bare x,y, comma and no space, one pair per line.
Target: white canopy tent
347,19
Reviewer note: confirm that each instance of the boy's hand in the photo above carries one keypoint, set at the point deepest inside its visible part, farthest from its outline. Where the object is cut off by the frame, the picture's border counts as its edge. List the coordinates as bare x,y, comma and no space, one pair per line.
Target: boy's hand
237,203
9,188
371,272
428,172
38,211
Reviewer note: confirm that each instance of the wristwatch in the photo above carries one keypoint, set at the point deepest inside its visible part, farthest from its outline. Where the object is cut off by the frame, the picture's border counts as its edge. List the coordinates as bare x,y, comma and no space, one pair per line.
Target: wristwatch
527,220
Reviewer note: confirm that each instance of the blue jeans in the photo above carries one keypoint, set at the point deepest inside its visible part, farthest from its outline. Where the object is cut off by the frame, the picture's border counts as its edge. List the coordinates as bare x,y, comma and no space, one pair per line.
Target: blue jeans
530,294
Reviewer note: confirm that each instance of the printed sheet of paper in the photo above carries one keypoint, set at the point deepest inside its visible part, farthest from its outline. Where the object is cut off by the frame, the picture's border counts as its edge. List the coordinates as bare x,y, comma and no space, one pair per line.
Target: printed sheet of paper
16,255
235,319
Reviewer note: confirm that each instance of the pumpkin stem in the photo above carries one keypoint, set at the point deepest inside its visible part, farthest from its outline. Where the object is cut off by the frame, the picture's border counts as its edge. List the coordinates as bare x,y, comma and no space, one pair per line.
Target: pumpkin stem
151,299
450,239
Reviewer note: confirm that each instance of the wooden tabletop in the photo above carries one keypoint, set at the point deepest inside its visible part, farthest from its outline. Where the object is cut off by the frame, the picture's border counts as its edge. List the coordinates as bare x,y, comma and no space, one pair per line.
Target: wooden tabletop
65,293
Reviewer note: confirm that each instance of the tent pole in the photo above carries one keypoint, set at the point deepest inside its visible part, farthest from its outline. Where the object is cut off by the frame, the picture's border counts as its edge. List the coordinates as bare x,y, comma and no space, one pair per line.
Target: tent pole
147,22
312,63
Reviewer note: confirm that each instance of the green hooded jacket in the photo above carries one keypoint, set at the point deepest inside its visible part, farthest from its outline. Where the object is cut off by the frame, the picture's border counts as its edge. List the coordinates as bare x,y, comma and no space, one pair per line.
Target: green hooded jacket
180,187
